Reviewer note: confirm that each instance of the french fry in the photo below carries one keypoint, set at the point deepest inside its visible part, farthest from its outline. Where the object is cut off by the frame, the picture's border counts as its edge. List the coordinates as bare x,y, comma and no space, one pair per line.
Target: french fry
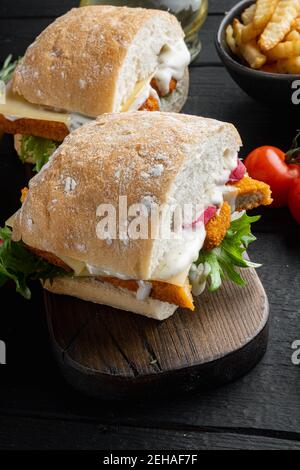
248,14
280,24
250,32
268,38
292,36
264,12
291,65
284,50
237,31
230,39
252,54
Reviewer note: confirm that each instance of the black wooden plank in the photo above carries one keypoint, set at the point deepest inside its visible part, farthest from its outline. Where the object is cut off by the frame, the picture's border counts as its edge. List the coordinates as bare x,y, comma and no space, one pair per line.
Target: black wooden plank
214,94
12,174
220,6
36,8
40,434
17,34
267,398
208,54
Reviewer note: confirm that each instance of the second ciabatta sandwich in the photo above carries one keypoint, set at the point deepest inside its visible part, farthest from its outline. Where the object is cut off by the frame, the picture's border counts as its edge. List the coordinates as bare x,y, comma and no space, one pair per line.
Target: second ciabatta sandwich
91,61
153,160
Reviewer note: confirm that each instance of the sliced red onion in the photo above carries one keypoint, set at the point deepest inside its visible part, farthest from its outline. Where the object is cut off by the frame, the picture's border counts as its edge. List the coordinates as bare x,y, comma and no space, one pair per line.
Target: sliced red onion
204,217
209,213
238,173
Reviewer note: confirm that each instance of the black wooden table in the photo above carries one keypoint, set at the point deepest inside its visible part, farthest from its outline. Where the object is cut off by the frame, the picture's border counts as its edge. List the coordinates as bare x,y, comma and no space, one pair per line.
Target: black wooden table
262,410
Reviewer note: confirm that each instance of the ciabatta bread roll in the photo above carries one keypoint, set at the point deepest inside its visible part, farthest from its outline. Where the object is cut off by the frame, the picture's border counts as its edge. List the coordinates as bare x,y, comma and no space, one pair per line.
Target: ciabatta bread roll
111,174
95,60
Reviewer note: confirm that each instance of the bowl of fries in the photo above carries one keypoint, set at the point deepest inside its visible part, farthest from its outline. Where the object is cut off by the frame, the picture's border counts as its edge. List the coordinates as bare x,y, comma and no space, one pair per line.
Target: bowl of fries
259,44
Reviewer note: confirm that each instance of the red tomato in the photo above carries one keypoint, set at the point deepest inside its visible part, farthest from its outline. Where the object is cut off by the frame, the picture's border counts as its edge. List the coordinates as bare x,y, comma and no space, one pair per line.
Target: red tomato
296,167
294,199
268,164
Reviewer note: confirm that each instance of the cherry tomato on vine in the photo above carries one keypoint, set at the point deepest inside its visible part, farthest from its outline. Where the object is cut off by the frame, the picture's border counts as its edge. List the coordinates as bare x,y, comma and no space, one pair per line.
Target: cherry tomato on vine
294,199
267,164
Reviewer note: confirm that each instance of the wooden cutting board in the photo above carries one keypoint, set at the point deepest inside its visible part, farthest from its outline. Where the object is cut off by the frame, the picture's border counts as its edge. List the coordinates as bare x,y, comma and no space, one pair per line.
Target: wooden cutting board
112,354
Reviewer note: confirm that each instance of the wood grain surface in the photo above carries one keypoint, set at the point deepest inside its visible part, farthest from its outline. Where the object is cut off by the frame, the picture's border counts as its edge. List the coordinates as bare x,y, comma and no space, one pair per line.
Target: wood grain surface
52,8
261,410
111,354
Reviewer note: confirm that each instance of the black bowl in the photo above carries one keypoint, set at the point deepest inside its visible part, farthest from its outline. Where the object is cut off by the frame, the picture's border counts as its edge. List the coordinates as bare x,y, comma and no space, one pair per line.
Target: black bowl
271,88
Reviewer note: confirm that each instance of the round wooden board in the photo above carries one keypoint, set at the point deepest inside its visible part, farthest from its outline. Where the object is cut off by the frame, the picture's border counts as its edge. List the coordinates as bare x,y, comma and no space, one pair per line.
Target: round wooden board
112,354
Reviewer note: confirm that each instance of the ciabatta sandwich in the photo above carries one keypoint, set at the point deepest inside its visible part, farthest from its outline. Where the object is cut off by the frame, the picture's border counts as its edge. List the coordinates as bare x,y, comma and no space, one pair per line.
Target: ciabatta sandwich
153,160
90,61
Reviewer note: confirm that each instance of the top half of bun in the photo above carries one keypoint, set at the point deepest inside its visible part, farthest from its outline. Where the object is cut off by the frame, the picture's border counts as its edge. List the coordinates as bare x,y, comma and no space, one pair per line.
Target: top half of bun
89,60
147,157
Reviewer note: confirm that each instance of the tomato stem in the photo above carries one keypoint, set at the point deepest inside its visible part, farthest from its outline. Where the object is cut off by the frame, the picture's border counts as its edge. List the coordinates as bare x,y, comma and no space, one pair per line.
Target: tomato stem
293,155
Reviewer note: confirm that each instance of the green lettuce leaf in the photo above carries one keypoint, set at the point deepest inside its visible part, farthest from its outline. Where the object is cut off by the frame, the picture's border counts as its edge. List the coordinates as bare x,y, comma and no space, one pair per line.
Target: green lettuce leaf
7,69
224,259
20,265
37,150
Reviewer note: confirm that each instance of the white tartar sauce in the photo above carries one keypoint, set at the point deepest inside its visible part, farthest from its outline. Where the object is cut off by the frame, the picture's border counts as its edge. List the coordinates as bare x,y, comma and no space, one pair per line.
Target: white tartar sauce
182,253
172,62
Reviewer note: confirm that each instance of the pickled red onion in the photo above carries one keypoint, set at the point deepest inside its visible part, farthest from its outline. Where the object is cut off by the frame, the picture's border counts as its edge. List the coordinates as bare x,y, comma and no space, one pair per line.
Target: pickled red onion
204,217
238,173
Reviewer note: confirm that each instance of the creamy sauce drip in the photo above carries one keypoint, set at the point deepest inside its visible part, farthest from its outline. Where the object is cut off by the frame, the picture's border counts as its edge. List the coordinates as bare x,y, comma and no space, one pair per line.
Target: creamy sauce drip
172,62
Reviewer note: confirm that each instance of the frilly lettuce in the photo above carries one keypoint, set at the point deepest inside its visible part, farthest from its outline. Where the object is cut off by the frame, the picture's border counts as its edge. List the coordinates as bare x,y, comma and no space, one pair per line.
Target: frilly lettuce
221,262
37,150
20,265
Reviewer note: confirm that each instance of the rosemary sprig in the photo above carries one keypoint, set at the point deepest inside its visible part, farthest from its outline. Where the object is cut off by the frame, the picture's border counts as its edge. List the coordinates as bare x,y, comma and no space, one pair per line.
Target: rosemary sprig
8,68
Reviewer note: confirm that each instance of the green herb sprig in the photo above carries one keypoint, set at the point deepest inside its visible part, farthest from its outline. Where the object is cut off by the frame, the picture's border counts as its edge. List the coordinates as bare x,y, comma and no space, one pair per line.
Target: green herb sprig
224,259
8,68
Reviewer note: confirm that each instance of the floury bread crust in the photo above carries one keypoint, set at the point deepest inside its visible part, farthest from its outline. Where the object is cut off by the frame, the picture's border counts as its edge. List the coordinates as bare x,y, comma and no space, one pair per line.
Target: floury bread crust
89,60
148,157
57,131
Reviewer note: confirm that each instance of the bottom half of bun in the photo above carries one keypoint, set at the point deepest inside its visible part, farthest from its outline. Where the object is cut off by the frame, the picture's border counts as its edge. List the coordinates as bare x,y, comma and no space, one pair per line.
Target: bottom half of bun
94,290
